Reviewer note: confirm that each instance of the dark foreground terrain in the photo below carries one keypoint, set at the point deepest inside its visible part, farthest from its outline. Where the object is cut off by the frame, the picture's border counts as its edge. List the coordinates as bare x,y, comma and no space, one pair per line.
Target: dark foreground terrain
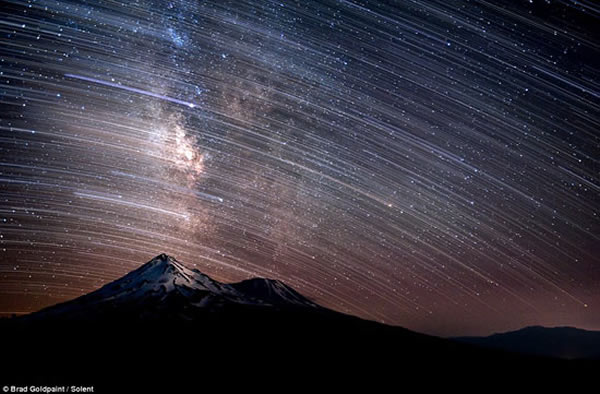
169,329
260,349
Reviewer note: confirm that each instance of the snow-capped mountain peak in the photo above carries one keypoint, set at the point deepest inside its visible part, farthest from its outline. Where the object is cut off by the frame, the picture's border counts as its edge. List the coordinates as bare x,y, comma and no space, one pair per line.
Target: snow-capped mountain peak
164,287
163,274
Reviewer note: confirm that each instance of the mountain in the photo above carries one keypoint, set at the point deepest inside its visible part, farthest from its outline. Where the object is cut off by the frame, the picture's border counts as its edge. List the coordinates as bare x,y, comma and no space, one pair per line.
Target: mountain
164,288
164,326
559,342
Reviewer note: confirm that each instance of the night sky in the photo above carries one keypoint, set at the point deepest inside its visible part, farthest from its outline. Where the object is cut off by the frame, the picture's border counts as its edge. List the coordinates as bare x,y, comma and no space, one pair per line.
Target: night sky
429,164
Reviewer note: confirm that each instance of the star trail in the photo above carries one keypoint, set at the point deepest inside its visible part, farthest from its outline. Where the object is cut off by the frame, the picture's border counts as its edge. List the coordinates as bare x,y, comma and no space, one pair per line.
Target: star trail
429,164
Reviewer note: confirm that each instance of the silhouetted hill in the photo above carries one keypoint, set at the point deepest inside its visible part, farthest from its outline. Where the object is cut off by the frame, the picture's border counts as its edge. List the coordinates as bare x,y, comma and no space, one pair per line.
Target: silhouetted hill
560,342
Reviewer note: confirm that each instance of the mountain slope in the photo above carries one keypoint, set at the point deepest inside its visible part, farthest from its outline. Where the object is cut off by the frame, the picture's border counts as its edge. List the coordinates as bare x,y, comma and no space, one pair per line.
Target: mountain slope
559,342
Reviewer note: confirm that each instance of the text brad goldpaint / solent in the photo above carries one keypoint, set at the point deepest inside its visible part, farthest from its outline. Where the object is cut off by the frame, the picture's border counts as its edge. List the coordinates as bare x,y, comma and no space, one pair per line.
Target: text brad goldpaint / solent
48,389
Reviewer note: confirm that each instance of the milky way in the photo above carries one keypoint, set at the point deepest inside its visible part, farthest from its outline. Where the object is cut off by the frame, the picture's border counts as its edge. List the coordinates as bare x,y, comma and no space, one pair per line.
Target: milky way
430,164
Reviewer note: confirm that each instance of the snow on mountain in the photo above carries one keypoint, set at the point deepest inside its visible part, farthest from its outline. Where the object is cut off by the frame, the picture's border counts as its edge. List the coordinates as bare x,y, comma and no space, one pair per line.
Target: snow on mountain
164,287
161,274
